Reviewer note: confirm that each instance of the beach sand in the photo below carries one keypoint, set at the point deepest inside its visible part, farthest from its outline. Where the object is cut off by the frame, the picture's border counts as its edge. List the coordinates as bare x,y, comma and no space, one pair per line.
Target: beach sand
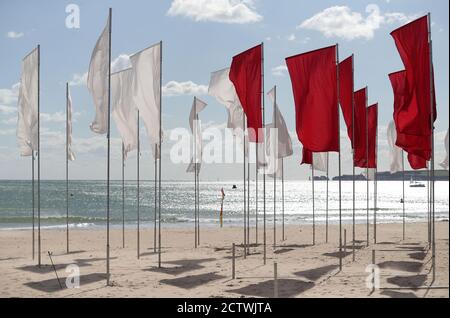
303,270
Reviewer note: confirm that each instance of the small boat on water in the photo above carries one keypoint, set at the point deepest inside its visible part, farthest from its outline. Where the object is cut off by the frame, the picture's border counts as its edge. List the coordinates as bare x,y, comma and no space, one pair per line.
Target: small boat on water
234,186
416,184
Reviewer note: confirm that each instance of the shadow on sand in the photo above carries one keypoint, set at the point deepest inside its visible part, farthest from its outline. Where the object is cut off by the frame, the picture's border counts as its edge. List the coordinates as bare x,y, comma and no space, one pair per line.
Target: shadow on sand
192,281
316,273
52,285
406,266
408,281
286,288
182,266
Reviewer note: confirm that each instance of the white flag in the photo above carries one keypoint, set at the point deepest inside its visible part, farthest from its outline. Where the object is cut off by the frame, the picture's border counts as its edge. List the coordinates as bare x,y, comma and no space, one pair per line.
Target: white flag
320,160
395,152
97,81
27,123
223,90
147,89
371,173
272,160
284,139
444,164
124,111
197,106
70,153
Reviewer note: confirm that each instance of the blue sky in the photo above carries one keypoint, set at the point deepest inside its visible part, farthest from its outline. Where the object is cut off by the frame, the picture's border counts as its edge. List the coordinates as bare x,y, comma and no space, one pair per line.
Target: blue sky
198,37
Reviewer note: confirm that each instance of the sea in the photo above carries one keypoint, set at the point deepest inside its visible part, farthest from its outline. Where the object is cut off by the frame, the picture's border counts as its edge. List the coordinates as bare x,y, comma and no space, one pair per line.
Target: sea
87,203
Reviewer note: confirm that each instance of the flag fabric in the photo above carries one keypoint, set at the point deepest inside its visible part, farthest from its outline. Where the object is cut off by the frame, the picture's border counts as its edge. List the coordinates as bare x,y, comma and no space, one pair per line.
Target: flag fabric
395,152
97,81
414,115
124,111
146,90
272,166
418,147
318,160
346,94
444,164
27,123
360,100
222,89
284,139
197,106
245,73
70,153
314,85
372,121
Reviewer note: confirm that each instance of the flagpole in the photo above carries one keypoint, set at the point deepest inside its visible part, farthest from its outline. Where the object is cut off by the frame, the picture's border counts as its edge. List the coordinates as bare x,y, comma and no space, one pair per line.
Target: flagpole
275,176
313,203
353,162
256,193
198,205
264,175
32,197
123,197
429,208
159,155
403,196
248,198
156,197
326,210
432,148
282,195
195,175
67,168
109,152
138,238
339,158
245,202
39,154
367,167
375,190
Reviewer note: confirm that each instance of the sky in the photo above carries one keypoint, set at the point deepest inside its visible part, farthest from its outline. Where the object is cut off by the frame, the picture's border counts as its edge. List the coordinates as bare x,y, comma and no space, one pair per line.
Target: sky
199,37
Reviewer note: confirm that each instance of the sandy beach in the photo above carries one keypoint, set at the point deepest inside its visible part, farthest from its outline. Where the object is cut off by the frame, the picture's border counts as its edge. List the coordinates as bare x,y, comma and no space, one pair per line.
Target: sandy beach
303,270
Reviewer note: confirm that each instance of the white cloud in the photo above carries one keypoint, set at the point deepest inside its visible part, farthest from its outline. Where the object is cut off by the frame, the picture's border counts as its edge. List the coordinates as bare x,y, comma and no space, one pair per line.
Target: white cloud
10,121
174,88
7,109
7,132
9,96
78,80
14,34
342,22
224,11
291,37
279,70
120,63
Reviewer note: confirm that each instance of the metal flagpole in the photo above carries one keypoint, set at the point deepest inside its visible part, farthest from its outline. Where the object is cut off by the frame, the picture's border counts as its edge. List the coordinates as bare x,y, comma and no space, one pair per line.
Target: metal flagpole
138,238
367,168
403,195
326,210
282,196
433,234
313,203
256,194
32,197
198,204
109,152
195,176
375,184
123,196
67,168
429,208
156,199
353,163
339,159
275,175
245,203
248,199
39,155
159,155
264,174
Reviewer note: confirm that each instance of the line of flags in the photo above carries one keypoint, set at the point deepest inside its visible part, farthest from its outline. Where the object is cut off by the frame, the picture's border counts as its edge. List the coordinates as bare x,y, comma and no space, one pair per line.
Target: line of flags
321,86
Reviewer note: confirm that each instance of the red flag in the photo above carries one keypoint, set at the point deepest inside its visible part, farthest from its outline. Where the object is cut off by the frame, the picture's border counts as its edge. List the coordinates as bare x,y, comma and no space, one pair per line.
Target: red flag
307,157
360,100
245,74
314,85
416,162
372,121
416,145
414,114
346,93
